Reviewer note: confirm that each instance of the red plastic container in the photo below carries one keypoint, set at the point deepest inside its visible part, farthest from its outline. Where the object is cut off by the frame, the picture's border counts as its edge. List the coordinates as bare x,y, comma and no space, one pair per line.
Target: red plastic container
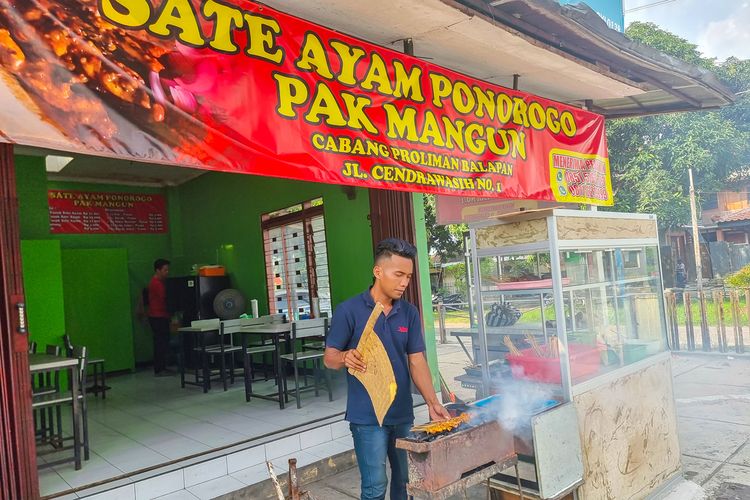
584,360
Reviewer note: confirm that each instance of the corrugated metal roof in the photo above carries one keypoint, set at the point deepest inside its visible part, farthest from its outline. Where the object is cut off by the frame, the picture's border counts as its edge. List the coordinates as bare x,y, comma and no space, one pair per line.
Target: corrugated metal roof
576,30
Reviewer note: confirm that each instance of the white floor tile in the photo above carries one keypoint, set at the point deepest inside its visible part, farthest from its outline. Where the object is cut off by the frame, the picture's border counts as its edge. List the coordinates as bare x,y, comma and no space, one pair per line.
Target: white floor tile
179,495
302,457
51,482
181,447
145,422
346,441
122,493
329,449
315,437
281,447
340,429
159,486
200,473
216,487
246,426
255,474
246,458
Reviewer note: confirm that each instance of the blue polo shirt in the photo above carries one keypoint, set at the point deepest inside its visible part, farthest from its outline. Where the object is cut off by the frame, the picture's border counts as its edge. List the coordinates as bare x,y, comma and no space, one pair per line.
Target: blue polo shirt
401,334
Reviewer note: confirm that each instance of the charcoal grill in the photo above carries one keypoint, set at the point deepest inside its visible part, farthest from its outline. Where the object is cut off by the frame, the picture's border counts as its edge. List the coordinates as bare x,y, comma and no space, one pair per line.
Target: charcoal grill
442,466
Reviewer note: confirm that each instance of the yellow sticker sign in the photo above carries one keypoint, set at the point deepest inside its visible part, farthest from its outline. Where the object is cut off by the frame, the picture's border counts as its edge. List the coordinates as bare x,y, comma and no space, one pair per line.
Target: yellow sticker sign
580,178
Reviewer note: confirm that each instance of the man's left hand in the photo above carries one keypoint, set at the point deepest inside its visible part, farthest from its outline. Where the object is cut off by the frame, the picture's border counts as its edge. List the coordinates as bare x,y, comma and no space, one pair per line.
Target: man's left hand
438,412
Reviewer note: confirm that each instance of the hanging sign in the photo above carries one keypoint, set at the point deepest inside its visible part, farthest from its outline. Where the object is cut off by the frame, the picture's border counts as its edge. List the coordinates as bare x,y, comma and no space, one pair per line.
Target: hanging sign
236,86
78,212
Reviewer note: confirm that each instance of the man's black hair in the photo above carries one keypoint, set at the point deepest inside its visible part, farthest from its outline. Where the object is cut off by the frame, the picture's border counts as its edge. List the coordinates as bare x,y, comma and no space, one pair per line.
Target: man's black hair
159,263
395,246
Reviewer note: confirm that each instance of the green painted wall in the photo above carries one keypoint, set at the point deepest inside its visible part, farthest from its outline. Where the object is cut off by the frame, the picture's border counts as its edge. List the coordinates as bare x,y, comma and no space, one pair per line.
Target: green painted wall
142,249
424,287
221,223
215,219
43,283
97,304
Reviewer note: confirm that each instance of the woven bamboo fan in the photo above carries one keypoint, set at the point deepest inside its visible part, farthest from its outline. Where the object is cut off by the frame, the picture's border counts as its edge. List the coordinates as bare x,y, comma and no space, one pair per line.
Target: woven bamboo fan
378,379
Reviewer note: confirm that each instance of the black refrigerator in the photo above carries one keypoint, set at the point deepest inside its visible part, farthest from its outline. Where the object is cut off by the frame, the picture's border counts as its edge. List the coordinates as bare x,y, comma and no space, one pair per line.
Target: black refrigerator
193,296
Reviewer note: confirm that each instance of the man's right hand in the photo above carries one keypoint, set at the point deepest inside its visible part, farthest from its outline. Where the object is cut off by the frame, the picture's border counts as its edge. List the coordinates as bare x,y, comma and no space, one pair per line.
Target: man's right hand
354,361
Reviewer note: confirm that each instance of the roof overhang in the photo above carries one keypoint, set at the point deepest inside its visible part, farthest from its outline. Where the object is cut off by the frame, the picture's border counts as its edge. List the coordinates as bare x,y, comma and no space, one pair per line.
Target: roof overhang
566,53
576,31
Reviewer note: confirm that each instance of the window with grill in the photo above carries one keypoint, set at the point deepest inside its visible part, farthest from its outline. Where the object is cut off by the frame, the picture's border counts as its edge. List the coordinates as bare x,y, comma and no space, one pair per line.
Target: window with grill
297,260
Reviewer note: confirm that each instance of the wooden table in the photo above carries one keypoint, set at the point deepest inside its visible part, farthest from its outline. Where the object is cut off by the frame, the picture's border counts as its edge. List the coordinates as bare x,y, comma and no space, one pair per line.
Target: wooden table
276,331
201,332
45,363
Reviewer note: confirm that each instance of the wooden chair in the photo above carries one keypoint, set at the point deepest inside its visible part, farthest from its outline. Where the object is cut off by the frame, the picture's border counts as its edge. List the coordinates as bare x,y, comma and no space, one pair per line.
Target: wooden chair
307,329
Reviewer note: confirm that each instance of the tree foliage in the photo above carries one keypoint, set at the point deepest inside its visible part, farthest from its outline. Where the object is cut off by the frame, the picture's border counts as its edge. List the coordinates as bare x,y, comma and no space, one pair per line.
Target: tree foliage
650,156
444,241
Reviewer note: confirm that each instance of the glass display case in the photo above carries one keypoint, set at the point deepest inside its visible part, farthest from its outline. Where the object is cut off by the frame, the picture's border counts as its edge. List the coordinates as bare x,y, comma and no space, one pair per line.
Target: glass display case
563,296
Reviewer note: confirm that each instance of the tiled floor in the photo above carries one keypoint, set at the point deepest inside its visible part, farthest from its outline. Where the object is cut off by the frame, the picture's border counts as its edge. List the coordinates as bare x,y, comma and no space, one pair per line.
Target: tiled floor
147,421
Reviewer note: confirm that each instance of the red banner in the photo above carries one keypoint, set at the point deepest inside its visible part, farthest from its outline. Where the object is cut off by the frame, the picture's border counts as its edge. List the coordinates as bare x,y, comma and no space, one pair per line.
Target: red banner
93,212
239,87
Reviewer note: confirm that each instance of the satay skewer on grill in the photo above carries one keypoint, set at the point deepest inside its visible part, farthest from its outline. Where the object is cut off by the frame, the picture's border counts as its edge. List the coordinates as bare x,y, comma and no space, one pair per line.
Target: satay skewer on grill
443,425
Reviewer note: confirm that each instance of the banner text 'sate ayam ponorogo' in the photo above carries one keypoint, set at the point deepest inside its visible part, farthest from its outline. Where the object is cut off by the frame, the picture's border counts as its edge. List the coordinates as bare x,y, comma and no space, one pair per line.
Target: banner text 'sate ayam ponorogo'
236,86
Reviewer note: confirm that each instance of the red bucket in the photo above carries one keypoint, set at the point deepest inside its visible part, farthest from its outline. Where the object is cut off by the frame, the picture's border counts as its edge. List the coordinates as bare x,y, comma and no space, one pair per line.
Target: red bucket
584,360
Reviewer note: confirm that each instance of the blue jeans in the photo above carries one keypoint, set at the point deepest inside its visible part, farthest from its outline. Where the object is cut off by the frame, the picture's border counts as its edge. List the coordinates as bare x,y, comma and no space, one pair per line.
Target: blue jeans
373,444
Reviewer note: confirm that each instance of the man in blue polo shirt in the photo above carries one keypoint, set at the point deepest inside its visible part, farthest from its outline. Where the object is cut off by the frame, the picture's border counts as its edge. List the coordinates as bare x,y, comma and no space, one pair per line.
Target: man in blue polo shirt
400,330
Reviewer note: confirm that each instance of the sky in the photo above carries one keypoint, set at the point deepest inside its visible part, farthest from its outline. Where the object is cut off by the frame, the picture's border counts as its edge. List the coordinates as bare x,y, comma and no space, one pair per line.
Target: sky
720,28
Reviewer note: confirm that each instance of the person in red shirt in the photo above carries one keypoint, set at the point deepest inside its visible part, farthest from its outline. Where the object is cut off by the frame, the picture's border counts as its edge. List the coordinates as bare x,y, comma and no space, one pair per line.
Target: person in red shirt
158,316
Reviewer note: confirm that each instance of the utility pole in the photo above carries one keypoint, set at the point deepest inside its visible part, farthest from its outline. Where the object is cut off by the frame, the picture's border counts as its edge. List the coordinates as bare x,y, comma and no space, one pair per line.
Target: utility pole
698,266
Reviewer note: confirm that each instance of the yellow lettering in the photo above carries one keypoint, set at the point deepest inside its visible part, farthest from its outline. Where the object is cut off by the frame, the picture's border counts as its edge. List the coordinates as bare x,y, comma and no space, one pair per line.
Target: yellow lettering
504,108
454,133
312,57
476,146
180,15
358,119
401,126
485,103
553,121
226,18
377,75
441,88
492,141
349,57
536,115
519,143
292,93
324,103
408,85
128,13
317,140
519,112
568,123
431,130
463,98
261,38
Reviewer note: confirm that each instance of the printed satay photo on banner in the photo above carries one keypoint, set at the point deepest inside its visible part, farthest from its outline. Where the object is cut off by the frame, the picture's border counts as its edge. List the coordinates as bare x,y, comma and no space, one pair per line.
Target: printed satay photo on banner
237,86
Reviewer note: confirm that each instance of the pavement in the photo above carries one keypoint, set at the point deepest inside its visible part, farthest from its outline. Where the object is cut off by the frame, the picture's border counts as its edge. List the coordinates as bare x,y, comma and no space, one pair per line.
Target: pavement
713,408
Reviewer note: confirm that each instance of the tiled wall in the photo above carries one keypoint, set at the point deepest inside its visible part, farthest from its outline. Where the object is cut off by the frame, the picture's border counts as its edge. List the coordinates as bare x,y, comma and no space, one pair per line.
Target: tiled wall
238,469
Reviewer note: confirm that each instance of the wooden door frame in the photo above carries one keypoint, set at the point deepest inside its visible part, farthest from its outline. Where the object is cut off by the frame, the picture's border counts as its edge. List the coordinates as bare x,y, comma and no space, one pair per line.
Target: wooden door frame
392,216
18,472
